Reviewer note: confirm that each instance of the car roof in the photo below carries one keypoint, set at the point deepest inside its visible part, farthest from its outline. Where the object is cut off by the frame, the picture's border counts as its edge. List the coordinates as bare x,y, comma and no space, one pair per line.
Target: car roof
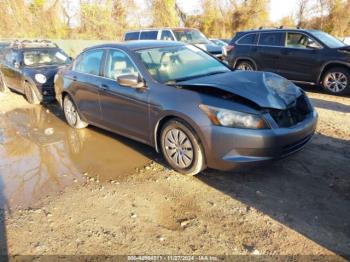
137,45
161,28
263,30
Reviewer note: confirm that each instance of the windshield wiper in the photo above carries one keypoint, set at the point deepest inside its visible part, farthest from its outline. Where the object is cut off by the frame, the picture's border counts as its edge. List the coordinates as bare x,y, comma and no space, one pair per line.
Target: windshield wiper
174,81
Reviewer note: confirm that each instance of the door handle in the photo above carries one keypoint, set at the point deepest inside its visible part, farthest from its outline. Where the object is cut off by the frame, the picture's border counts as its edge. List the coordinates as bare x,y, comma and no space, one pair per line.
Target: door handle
104,87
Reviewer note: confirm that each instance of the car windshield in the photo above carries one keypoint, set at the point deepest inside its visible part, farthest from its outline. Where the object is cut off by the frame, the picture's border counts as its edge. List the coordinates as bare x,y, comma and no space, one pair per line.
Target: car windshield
191,36
328,40
44,57
177,63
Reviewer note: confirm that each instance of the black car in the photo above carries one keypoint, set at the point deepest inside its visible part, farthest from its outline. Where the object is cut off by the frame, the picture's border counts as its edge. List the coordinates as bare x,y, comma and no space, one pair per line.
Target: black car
187,104
29,67
303,56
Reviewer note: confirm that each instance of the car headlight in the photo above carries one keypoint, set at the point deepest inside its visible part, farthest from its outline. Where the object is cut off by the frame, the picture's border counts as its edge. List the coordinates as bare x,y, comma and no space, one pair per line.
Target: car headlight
40,78
230,118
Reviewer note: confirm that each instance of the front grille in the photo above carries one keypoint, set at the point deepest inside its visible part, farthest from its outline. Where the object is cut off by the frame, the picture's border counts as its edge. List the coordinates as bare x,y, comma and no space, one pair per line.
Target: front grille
294,114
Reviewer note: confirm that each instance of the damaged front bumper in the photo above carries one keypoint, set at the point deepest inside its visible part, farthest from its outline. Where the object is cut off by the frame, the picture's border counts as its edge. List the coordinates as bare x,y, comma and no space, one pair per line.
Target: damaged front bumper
231,148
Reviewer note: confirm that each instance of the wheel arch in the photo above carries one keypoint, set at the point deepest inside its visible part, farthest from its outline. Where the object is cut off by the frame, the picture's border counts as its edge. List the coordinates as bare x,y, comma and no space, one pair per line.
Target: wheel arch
30,81
190,124
244,58
330,65
66,93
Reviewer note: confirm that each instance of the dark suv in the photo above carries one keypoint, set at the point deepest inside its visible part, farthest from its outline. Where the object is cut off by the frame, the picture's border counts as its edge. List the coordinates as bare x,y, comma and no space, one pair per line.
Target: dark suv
29,67
303,56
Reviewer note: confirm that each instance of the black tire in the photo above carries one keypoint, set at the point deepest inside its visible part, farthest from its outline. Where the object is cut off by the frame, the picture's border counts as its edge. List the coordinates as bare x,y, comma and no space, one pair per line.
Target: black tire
245,65
184,155
3,87
30,94
71,114
336,81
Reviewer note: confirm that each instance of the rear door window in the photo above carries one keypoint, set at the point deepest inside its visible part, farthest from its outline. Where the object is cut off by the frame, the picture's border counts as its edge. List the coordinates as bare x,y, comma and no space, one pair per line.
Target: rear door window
166,35
89,62
248,39
132,36
271,39
149,35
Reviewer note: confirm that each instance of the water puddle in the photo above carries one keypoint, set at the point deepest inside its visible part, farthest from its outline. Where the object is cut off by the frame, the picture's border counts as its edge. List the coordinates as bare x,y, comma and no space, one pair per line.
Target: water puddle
40,154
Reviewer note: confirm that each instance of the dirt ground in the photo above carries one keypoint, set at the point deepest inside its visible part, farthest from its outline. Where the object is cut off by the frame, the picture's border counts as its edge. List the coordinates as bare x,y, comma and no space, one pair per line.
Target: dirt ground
93,202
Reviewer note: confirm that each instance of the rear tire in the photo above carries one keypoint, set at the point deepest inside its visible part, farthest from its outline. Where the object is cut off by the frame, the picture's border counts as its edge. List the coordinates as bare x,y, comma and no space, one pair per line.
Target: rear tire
30,94
71,114
3,87
245,66
336,81
181,148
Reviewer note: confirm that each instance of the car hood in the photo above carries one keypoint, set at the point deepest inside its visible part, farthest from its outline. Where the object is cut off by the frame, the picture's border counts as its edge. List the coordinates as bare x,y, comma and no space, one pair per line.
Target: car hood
48,71
210,48
267,90
345,49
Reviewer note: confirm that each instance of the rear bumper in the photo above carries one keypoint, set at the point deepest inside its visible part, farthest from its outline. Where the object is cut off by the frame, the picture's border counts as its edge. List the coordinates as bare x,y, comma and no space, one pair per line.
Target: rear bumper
230,148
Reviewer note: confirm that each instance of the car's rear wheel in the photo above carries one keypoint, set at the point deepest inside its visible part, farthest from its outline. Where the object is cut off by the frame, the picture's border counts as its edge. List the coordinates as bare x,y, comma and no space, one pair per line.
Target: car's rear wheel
3,87
30,94
71,114
336,81
245,66
181,148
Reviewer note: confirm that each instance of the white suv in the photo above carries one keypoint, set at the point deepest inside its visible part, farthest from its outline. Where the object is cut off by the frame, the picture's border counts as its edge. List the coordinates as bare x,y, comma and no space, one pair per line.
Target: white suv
187,35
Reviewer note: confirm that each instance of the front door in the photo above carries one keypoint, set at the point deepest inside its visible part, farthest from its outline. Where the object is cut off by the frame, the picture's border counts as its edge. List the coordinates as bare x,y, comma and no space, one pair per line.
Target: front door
124,109
300,58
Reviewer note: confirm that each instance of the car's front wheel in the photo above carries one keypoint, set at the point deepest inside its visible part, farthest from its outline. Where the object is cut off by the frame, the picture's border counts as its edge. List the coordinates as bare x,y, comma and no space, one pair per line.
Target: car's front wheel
30,94
336,81
3,87
181,148
71,114
245,66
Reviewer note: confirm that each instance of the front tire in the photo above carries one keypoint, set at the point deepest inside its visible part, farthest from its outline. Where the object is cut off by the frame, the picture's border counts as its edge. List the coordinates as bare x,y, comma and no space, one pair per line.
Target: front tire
3,87
181,148
336,81
30,94
245,66
71,114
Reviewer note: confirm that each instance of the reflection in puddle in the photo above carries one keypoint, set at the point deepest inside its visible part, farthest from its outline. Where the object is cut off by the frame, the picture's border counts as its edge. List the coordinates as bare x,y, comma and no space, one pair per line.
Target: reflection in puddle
41,154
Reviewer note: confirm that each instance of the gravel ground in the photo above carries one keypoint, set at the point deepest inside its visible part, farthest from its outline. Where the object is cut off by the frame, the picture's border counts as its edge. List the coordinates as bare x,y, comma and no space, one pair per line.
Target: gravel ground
296,206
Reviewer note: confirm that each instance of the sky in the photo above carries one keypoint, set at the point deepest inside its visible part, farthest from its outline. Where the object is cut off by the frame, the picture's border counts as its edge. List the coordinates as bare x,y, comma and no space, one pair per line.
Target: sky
278,8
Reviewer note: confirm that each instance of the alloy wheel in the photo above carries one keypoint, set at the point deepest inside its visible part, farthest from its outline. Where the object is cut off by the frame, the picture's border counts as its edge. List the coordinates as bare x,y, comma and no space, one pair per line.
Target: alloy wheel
336,82
70,112
245,67
179,148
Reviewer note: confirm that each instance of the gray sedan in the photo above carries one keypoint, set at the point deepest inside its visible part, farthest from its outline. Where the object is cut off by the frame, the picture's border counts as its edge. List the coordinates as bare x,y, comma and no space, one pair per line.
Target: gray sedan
186,104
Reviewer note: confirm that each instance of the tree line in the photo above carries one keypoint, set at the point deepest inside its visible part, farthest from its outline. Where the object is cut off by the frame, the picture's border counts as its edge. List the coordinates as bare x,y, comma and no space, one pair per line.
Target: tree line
109,19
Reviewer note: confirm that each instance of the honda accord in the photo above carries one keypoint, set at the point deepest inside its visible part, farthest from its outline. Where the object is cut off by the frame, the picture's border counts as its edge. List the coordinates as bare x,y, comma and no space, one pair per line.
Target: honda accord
187,104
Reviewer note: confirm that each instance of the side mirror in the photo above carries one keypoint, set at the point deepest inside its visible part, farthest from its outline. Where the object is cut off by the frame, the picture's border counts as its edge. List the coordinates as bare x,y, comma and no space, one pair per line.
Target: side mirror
131,81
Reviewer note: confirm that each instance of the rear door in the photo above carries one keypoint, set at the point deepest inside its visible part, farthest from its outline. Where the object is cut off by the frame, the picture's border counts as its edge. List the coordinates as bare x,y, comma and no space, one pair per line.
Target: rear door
124,109
267,52
300,57
86,81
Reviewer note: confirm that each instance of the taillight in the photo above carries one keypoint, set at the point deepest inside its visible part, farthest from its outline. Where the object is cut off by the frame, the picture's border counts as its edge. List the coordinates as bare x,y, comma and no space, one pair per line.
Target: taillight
228,49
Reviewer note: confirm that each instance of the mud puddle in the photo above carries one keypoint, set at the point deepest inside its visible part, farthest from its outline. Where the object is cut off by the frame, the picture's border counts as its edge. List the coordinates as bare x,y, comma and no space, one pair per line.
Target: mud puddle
40,155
